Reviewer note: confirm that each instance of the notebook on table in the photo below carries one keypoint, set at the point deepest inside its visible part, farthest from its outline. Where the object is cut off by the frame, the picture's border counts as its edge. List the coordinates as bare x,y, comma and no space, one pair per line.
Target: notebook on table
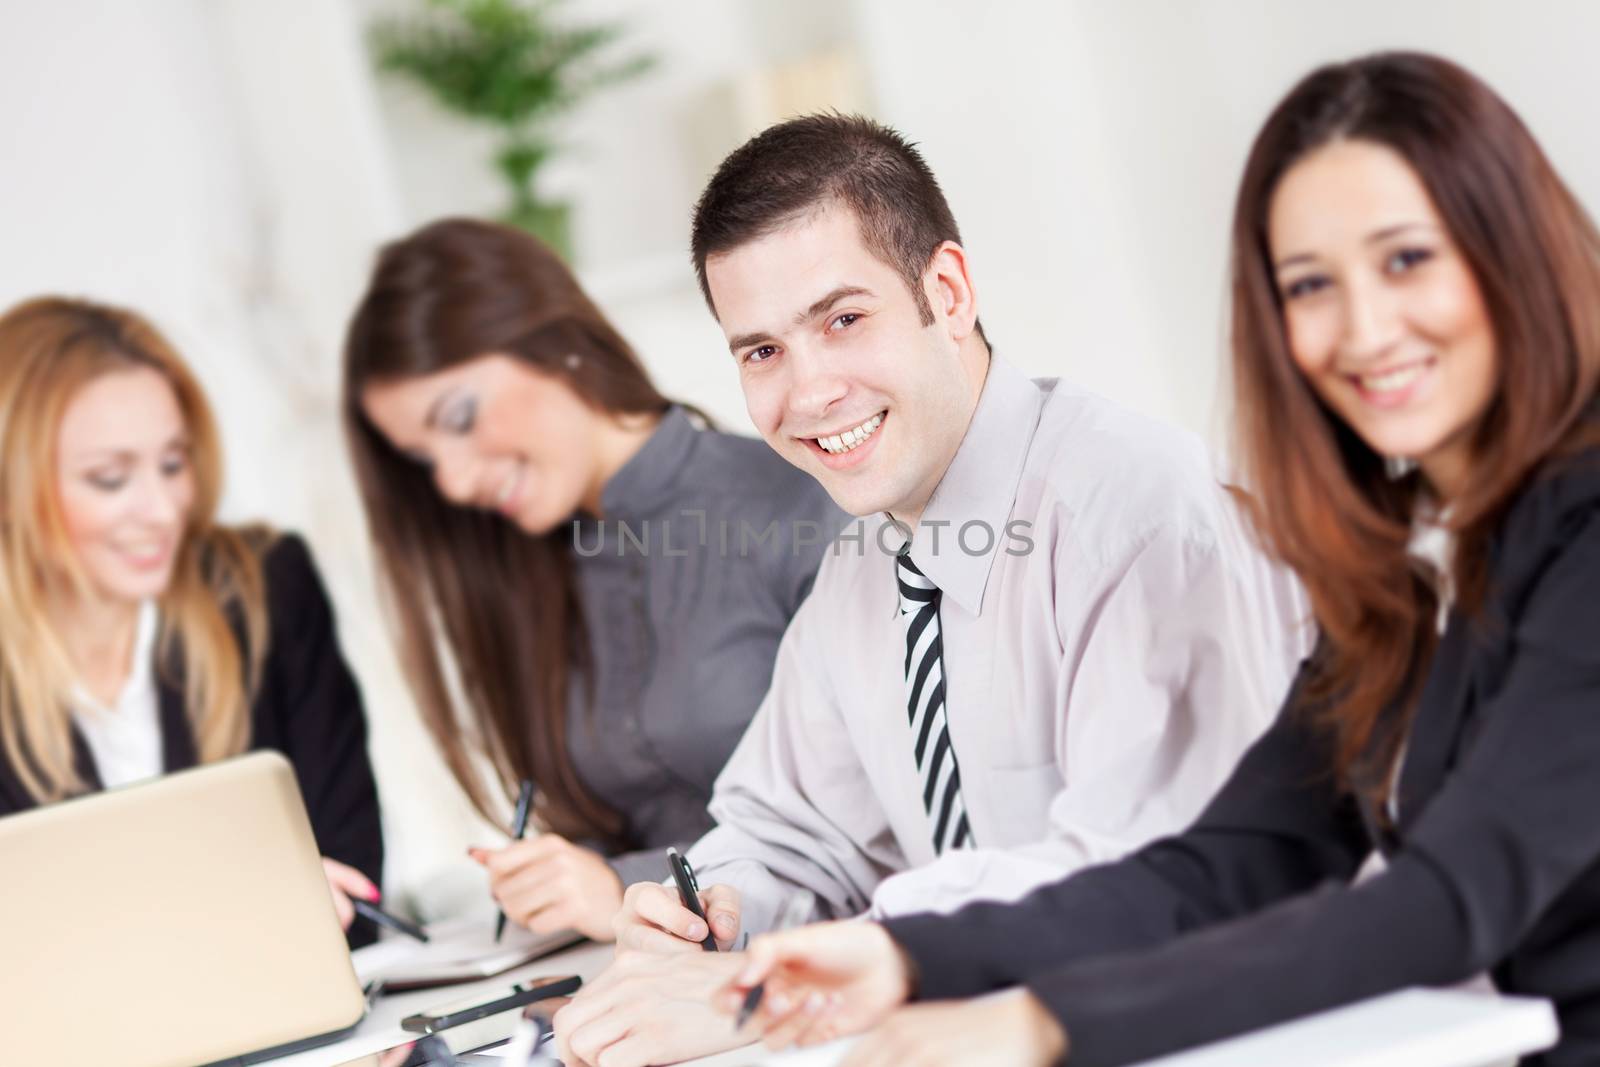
459,950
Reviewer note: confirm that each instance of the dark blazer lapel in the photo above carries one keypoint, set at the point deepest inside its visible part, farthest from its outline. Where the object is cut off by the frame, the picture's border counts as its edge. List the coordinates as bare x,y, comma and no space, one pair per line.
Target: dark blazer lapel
83,762
177,739
1436,727
1378,833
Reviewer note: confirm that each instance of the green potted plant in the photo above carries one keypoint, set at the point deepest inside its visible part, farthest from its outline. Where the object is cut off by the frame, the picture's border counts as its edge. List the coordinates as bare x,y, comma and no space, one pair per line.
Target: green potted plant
515,66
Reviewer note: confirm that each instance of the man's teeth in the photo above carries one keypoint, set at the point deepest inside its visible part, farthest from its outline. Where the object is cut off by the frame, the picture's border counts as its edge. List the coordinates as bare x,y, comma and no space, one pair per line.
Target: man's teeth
843,442
1393,380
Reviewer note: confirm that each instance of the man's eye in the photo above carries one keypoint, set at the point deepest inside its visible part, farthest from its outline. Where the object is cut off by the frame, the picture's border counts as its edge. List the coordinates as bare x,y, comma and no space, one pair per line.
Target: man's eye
845,321
761,355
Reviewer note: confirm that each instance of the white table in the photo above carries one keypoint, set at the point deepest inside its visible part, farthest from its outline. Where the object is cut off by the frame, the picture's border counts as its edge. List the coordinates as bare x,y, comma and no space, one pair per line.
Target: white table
381,1028
1415,1028
1412,1028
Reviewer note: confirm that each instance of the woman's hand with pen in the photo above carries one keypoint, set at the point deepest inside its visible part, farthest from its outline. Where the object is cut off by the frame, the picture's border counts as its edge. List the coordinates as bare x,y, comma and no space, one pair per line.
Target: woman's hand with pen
820,982
547,883
832,980
346,883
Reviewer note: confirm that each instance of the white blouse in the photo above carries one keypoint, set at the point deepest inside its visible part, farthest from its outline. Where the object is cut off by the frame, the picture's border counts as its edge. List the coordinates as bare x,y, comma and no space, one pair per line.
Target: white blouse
125,738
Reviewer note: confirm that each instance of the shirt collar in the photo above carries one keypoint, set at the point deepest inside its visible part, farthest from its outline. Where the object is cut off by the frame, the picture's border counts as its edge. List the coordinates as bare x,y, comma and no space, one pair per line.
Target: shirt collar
646,484
979,486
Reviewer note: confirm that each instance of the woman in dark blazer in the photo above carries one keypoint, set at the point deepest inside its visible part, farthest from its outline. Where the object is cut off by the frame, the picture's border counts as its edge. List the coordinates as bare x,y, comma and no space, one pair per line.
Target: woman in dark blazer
137,636
1416,338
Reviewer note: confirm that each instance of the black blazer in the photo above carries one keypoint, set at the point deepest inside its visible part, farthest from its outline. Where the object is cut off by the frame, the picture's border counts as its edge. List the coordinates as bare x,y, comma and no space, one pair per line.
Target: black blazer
307,707
1247,918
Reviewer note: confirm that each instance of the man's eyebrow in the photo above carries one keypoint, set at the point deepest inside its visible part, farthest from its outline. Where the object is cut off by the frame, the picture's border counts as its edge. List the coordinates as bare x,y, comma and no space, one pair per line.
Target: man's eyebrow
827,302
745,340
818,307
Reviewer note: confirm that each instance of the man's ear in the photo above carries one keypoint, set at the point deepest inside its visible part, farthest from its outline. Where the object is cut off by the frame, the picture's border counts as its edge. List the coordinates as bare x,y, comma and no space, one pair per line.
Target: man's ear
948,288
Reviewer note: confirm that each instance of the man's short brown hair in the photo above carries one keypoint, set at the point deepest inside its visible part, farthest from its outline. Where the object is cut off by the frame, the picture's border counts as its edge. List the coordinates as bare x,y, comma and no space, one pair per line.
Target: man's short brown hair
806,164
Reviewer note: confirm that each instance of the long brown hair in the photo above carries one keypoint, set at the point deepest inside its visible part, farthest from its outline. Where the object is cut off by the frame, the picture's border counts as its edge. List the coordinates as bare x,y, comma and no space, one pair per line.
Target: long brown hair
50,348
1324,502
504,603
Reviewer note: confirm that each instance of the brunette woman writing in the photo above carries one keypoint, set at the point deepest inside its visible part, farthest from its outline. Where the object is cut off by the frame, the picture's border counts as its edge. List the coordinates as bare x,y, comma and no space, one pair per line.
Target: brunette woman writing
1416,343
606,577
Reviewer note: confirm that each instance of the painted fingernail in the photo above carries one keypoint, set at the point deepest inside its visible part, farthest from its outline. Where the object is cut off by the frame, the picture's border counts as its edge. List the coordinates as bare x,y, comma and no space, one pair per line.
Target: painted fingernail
373,894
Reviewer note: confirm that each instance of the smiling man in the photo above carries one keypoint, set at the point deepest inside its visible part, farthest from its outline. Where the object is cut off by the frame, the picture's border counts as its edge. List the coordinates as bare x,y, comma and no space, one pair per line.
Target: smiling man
1046,646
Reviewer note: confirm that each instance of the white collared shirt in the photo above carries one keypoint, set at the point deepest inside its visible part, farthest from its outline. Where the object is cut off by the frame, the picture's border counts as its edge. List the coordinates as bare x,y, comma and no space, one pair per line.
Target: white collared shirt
1099,687
125,738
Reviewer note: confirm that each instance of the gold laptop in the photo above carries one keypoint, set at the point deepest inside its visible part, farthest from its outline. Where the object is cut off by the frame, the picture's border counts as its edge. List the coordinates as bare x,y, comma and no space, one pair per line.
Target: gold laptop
172,923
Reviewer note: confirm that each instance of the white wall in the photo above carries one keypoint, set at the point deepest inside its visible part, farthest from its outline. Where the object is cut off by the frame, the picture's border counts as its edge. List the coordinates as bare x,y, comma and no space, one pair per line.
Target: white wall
1089,149
219,165
229,165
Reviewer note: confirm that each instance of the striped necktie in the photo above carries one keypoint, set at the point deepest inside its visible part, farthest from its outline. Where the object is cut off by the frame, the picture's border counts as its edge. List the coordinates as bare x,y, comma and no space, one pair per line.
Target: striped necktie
936,760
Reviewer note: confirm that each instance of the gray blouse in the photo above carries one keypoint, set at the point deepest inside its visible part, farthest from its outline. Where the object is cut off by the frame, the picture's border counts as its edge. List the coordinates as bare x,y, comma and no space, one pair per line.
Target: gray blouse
707,546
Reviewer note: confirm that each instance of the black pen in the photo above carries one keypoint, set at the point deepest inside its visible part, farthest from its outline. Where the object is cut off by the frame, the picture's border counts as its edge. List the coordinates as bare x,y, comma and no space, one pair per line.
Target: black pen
689,893
752,1001
383,918
519,826
795,911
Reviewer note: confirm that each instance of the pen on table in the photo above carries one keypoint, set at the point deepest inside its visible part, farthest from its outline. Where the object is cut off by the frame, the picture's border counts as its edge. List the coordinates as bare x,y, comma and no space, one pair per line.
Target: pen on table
519,826
382,918
795,911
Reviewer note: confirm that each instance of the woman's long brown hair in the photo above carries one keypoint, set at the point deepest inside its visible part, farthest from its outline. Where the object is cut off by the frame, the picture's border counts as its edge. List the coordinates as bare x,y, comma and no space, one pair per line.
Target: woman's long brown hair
1323,501
504,603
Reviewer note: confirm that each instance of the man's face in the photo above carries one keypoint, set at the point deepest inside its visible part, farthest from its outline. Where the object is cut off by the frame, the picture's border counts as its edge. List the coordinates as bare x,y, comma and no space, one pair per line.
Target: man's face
840,375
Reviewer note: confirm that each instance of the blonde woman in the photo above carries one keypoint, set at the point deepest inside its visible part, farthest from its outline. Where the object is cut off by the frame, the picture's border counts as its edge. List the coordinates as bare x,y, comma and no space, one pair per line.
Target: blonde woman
138,636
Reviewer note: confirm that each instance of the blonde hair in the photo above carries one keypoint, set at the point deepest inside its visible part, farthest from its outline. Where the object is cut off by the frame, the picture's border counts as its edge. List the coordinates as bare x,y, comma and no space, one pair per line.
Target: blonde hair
50,348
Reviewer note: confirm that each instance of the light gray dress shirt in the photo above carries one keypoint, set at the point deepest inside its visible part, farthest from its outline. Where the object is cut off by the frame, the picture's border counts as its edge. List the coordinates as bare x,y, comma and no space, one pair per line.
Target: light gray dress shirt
687,585
1112,644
